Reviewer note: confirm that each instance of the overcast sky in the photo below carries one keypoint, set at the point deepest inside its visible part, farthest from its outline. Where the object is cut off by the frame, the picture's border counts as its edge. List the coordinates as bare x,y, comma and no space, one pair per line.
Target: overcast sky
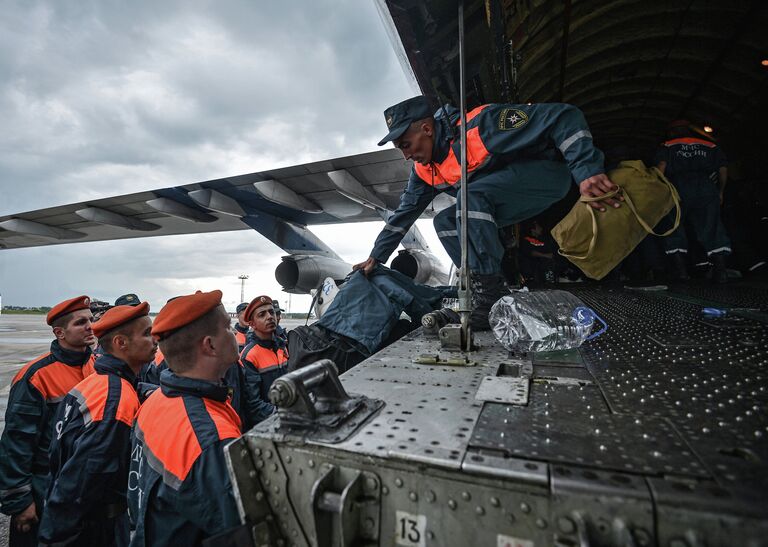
102,98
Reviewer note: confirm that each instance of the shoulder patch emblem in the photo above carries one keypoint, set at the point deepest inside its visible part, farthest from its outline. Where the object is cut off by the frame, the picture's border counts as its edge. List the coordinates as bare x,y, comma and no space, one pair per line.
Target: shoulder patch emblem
512,118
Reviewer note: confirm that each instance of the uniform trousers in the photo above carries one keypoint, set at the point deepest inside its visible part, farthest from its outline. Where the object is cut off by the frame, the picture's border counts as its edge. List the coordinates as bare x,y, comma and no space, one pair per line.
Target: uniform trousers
700,213
502,197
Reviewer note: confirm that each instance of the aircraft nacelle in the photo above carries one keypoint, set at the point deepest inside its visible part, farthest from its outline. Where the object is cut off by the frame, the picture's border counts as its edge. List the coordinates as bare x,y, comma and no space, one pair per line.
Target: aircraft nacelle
421,266
299,274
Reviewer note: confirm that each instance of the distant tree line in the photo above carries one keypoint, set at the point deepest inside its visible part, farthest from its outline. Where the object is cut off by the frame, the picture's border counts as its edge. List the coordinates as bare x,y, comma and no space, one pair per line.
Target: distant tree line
25,310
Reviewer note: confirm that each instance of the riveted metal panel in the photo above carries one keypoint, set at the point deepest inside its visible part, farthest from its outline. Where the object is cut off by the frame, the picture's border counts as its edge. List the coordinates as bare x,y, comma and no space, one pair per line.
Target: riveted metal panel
501,389
430,410
571,424
607,507
624,441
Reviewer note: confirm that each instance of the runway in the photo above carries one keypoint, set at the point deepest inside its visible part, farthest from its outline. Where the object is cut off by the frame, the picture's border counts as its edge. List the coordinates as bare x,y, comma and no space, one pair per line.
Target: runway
22,338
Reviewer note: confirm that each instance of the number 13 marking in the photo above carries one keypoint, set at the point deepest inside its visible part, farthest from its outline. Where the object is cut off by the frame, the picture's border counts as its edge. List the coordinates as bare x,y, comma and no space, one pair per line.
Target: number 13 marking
409,529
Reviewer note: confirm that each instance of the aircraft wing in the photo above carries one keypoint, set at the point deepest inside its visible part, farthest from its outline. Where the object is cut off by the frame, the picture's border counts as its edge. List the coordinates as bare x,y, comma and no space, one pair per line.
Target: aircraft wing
286,200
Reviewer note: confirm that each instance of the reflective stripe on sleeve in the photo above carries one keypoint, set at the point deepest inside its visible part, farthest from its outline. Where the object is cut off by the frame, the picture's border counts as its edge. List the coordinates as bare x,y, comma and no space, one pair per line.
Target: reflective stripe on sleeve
566,144
447,233
18,490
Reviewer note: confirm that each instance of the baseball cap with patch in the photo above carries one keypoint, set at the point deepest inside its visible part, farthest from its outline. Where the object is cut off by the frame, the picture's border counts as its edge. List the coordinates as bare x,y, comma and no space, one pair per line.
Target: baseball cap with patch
276,305
241,307
399,117
129,299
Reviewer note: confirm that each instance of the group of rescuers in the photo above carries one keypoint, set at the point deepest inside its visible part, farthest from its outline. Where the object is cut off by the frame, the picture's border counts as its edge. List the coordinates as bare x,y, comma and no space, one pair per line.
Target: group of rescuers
136,425
110,450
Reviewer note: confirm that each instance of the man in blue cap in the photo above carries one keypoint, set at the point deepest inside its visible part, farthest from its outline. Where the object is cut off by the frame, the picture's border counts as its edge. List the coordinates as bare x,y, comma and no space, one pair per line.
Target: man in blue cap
129,299
520,160
241,327
280,333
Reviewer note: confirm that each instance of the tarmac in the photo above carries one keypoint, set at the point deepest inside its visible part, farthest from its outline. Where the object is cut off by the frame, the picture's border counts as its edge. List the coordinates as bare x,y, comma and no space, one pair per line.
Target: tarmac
22,338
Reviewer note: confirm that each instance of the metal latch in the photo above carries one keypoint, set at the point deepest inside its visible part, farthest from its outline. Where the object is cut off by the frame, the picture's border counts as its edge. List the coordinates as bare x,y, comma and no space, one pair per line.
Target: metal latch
454,337
312,404
435,359
445,324
346,507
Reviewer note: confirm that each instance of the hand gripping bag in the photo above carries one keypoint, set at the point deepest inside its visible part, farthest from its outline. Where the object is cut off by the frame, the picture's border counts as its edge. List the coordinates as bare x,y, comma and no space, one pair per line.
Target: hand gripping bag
596,242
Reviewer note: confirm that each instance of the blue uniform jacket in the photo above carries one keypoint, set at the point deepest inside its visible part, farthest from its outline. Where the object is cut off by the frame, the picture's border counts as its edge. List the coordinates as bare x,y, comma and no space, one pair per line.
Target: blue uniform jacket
692,166
90,452
179,491
246,398
263,361
281,335
149,378
36,392
378,301
241,333
280,338
541,131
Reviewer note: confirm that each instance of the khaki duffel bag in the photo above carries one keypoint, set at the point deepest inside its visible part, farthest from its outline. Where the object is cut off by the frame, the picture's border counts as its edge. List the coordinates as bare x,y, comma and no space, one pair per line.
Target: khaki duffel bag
597,241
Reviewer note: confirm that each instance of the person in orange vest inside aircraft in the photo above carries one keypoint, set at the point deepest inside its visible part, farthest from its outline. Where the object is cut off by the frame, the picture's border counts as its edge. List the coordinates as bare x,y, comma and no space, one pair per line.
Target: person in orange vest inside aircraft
698,169
521,159
37,390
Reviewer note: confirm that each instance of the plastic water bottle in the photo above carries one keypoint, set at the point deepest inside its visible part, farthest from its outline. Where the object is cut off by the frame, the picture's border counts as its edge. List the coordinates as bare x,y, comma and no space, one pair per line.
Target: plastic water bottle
542,321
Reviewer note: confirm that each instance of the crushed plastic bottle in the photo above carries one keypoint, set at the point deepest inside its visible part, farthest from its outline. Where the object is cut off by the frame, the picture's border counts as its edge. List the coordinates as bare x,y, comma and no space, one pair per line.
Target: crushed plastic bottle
542,321
714,312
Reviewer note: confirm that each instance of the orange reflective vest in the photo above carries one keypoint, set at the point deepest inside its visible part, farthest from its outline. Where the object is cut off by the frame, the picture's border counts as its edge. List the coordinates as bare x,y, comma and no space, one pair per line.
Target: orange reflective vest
264,365
265,359
448,171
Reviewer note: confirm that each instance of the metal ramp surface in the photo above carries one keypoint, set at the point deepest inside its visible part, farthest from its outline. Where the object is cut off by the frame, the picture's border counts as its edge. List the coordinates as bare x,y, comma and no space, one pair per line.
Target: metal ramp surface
653,434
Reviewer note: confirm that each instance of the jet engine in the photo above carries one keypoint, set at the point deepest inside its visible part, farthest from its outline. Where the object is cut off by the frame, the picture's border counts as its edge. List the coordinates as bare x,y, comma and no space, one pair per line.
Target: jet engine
299,274
421,266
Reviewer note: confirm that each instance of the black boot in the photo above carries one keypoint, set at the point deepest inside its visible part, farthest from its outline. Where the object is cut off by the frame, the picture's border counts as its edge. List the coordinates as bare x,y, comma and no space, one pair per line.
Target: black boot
719,271
486,290
679,268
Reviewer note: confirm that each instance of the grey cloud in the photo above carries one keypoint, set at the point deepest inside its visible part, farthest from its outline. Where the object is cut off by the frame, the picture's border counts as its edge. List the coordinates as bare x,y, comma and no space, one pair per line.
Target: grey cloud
105,98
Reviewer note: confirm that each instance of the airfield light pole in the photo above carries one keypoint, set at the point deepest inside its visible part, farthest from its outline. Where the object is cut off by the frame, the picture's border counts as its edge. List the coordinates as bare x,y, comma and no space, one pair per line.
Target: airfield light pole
242,279
465,289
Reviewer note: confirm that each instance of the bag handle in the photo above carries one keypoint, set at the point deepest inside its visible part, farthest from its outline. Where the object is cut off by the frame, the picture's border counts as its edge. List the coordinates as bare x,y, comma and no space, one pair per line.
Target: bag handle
587,200
675,199
592,242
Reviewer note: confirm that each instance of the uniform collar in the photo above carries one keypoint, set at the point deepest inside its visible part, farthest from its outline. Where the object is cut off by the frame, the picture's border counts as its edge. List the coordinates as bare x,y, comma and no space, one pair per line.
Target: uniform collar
68,356
176,386
109,364
442,143
240,329
270,343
